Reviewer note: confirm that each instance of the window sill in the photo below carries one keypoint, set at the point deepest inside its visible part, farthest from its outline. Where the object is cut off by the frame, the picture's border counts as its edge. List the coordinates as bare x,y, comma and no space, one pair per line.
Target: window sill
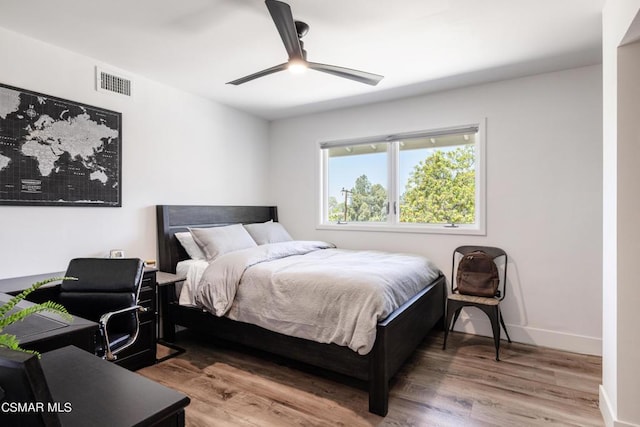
405,228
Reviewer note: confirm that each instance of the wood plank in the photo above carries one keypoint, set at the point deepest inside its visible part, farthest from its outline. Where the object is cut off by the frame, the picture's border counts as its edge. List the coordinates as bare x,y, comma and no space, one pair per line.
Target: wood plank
461,386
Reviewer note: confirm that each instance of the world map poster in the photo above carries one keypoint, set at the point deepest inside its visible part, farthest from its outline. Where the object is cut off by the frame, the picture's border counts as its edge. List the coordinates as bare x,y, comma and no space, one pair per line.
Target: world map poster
55,152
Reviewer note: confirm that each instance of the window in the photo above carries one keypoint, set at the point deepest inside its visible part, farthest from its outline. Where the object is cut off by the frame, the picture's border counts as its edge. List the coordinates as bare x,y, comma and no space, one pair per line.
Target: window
421,181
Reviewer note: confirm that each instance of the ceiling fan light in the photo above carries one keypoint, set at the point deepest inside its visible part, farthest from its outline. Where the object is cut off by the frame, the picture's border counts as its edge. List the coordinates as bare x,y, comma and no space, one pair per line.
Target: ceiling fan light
297,66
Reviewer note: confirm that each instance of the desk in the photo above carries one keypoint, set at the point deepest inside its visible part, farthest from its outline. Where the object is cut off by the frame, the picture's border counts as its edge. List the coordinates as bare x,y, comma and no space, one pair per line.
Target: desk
45,331
104,394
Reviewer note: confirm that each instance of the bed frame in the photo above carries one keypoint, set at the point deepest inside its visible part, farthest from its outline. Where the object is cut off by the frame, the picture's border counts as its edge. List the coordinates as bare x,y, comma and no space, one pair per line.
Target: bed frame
397,336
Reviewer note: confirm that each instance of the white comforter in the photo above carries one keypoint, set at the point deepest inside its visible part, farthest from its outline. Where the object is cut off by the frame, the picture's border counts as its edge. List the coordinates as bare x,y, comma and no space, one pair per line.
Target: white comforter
312,290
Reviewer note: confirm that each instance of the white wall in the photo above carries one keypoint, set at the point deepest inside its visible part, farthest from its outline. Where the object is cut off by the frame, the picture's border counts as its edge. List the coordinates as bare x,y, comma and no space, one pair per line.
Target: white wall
544,180
620,390
177,149
544,193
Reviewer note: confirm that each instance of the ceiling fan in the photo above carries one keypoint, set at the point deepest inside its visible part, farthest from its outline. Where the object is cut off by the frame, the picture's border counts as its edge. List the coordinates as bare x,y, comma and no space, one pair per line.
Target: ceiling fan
291,32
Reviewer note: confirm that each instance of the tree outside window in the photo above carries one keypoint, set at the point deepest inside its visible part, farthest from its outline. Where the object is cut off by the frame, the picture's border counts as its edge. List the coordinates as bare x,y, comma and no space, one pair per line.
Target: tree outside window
441,189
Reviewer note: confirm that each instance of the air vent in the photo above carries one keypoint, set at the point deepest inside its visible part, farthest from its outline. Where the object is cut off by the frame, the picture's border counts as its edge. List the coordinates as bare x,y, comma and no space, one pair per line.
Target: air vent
107,81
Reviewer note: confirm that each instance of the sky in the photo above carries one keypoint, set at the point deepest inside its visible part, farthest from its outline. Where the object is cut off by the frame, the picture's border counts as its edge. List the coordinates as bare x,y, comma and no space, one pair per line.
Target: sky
344,170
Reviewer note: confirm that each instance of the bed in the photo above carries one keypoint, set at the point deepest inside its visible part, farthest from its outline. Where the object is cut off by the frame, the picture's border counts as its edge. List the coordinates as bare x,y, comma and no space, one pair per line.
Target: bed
396,336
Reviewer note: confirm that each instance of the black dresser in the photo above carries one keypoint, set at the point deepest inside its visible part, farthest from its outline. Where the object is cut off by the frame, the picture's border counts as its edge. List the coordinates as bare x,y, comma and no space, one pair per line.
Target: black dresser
143,352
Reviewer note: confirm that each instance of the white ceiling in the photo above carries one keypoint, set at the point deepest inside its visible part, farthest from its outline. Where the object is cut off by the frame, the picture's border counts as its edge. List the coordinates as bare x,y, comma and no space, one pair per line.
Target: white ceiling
418,45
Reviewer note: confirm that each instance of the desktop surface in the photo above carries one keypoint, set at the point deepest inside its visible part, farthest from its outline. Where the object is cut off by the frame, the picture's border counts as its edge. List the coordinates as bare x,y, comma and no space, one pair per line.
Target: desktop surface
93,392
46,331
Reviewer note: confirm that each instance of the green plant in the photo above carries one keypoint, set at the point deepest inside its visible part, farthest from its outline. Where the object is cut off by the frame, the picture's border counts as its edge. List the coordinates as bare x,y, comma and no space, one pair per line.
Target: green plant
7,317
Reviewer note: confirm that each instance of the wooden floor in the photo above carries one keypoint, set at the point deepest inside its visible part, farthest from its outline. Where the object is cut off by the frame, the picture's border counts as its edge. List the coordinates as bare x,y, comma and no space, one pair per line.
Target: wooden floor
462,386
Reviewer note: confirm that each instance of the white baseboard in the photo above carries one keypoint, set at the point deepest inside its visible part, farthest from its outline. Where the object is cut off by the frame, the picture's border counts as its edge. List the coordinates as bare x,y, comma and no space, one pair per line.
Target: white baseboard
605,407
607,412
528,335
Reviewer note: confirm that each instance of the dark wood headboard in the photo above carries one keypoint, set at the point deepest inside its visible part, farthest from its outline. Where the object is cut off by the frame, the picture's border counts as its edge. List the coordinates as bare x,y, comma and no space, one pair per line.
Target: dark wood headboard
175,218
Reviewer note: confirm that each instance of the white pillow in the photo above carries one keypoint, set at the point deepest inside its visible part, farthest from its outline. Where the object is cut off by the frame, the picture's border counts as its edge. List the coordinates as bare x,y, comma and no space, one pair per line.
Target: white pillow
268,232
193,250
216,241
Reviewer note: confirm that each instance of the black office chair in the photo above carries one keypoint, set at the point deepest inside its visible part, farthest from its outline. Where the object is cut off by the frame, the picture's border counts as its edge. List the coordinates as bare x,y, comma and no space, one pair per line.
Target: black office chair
106,292
489,305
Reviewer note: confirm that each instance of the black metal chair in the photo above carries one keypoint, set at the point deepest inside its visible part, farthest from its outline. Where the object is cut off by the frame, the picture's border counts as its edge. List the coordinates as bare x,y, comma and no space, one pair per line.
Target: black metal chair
490,306
106,291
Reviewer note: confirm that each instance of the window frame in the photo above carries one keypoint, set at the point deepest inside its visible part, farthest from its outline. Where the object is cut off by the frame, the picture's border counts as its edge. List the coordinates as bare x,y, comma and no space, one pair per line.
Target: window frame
393,224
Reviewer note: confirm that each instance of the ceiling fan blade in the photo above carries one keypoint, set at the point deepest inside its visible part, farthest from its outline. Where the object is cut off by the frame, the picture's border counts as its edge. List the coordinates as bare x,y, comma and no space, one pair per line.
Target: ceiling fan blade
283,18
347,73
259,74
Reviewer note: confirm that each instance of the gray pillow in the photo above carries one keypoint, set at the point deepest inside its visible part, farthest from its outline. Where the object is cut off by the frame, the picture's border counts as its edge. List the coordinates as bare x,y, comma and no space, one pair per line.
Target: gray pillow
190,246
268,232
216,241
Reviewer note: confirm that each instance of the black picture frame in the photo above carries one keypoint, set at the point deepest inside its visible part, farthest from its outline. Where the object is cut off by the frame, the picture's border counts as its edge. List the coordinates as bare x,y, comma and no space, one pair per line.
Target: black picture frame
58,152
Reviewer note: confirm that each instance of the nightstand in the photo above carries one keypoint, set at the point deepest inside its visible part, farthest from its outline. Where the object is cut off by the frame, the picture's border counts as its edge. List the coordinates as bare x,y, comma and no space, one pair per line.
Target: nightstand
167,293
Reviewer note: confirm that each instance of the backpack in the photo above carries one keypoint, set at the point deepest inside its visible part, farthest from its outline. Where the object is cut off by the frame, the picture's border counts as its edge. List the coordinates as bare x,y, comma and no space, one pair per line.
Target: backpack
477,275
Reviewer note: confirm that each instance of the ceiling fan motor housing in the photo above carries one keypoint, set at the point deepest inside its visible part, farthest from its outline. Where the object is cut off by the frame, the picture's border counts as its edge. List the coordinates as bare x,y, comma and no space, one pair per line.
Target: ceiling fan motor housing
301,28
